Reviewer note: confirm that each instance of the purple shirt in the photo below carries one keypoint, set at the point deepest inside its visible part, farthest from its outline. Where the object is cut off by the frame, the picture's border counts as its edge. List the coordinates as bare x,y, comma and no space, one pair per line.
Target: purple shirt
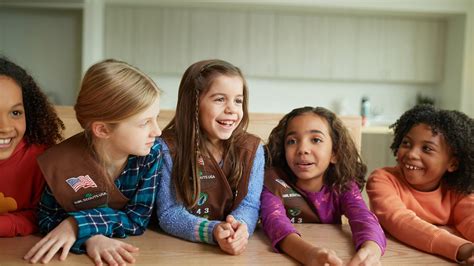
330,206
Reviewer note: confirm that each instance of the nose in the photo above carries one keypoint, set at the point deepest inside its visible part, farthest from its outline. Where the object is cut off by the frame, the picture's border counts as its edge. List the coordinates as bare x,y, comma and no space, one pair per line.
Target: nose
413,153
155,131
231,108
5,125
303,148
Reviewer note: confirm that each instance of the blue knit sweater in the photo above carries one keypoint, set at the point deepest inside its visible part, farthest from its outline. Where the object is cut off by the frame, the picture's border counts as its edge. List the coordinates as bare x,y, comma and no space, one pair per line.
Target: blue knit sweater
176,220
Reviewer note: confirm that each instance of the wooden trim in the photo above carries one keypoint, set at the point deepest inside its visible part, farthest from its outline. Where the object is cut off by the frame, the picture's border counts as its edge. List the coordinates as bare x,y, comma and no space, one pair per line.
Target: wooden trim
260,124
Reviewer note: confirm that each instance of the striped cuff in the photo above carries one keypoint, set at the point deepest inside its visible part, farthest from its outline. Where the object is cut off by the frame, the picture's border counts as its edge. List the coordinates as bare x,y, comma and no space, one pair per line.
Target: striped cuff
203,231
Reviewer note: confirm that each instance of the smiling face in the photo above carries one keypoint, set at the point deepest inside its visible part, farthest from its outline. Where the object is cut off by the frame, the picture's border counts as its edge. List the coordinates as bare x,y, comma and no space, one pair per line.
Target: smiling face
136,134
425,157
12,116
308,150
221,108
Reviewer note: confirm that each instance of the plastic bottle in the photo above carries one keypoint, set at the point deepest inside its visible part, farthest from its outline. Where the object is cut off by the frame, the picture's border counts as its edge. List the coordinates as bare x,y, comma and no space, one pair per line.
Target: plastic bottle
365,110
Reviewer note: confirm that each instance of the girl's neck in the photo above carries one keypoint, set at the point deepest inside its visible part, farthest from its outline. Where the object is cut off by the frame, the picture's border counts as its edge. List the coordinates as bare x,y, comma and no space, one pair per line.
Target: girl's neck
216,149
310,185
113,163
115,167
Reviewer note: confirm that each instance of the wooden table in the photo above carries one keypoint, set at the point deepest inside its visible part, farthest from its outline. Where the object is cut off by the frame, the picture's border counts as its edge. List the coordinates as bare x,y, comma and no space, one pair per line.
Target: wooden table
159,248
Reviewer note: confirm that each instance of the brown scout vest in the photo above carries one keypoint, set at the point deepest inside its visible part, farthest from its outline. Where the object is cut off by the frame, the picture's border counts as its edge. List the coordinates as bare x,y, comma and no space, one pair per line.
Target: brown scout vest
216,199
298,208
76,179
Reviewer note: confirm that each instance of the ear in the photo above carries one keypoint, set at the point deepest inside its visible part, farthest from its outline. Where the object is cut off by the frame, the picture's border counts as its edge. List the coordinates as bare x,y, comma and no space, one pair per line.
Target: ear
453,164
333,158
100,130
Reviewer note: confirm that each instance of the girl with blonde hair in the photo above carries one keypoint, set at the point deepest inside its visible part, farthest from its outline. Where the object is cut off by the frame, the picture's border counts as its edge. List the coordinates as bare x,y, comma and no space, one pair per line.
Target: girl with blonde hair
102,181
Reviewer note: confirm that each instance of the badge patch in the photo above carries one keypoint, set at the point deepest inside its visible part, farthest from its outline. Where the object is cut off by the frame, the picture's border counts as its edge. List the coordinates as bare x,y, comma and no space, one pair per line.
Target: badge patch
200,161
89,197
202,198
294,211
79,182
207,177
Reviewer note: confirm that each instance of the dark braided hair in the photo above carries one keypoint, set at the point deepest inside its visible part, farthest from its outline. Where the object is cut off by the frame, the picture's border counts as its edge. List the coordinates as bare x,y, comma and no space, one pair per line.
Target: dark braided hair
457,130
43,125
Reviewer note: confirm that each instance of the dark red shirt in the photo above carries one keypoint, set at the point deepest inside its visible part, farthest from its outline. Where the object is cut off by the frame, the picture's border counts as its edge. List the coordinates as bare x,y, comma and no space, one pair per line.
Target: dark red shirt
21,186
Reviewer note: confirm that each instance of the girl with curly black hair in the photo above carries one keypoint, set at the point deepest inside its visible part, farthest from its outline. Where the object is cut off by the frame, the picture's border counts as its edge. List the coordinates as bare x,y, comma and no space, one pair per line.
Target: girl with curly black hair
28,125
316,176
432,183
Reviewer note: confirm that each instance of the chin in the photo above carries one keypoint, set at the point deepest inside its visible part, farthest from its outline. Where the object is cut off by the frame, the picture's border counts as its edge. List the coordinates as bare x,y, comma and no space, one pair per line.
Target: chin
225,136
142,153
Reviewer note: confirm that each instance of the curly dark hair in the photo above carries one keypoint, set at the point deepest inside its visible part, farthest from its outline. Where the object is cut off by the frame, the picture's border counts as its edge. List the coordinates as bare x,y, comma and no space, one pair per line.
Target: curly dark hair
43,125
457,130
349,166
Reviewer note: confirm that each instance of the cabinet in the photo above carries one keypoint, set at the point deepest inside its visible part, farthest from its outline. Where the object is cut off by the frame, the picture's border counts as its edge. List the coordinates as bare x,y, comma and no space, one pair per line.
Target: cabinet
376,150
279,44
261,44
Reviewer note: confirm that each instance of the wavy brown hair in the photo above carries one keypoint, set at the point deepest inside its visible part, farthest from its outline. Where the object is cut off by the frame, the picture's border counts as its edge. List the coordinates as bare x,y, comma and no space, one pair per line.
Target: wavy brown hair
348,167
457,130
43,125
190,141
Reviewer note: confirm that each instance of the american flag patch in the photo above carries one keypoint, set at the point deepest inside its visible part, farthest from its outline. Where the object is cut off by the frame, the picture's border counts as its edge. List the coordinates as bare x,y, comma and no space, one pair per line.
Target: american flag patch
79,182
200,161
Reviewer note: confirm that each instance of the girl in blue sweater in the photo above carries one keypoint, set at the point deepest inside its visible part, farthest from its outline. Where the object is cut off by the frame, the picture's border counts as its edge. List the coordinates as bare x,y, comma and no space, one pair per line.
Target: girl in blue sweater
212,173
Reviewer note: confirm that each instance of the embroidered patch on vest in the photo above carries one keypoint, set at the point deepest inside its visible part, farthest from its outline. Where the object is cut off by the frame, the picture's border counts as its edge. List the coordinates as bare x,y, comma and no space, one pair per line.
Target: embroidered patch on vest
294,211
89,197
291,194
79,182
207,177
202,198
201,161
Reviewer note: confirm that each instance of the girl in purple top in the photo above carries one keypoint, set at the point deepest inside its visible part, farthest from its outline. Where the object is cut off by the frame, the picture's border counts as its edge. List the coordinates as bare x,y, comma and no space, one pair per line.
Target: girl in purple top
316,175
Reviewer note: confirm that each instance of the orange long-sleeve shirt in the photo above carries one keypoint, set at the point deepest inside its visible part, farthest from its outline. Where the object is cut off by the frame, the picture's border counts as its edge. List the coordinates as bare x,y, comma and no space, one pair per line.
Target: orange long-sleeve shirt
412,216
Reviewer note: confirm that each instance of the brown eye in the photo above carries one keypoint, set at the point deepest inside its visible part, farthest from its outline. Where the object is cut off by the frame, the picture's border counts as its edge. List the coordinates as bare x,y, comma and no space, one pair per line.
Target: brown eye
17,113
219,99
427,149
405,143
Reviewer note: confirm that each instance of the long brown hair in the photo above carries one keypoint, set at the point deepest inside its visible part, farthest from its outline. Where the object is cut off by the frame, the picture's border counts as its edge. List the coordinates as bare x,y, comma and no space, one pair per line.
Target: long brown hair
112,91
348,167
196,81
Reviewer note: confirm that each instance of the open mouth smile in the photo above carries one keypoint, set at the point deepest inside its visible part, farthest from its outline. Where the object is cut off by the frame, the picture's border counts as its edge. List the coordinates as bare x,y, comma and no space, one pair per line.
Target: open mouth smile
412,167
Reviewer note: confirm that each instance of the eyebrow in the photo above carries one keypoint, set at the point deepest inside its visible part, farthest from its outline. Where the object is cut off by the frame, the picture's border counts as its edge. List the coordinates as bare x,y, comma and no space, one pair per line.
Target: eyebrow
312,131
431,142
223,94
424,141
18,105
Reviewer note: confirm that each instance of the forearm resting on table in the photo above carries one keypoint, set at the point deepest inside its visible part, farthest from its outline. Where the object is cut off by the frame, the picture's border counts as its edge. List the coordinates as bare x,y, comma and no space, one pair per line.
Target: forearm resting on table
297,247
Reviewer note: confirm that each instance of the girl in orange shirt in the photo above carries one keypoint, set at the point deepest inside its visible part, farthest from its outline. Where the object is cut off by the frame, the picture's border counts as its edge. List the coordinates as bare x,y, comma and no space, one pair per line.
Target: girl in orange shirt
431,185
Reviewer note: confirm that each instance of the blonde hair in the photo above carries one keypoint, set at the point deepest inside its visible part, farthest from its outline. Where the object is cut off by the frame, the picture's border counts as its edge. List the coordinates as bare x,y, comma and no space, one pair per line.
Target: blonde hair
112,91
